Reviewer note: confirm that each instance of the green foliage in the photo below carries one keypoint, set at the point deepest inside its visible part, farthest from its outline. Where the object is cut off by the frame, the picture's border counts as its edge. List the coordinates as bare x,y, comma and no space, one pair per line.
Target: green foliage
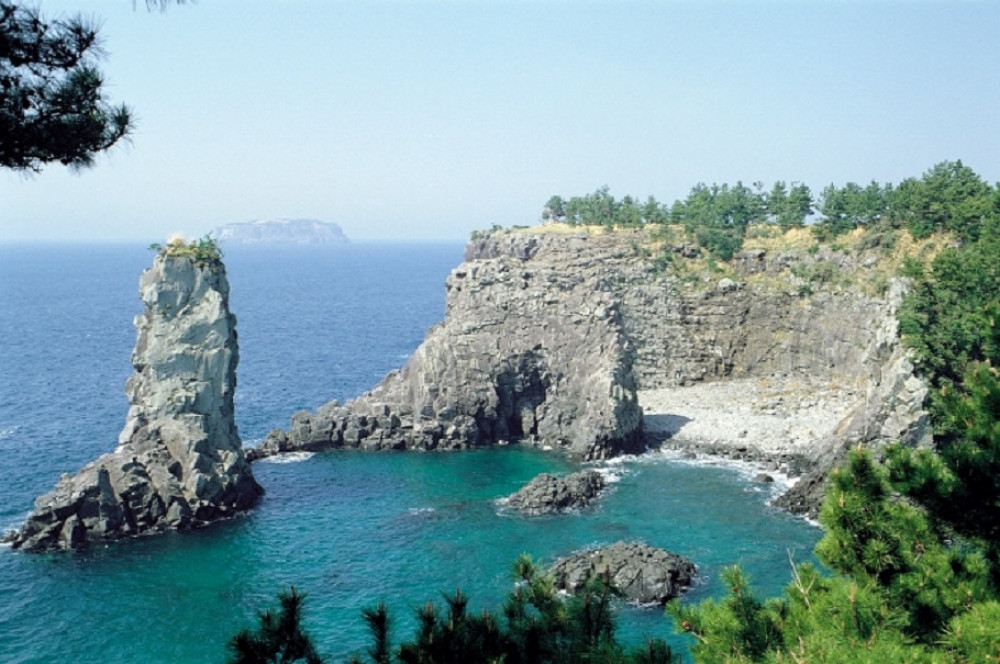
845,208
974,636
959,483
949,197
534,625
278,639
718,216
204,249
52,105
816,272
878,238
740,627
789,208
953,315
914,541
602,209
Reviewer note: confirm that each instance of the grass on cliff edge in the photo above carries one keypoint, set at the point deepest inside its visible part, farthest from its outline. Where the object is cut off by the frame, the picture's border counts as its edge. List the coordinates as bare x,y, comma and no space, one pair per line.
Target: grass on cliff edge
876,256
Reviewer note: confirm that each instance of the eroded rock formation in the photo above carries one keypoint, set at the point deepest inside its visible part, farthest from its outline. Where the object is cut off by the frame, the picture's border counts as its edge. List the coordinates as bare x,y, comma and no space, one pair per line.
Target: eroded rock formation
179,461
532,347
641,573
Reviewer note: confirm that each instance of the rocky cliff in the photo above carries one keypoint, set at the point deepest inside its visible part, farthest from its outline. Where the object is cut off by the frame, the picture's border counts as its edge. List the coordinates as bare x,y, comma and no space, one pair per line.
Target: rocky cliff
532,347
179,461
552,336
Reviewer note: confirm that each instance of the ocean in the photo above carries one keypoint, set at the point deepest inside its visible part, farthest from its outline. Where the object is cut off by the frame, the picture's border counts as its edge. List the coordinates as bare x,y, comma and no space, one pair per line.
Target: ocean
346,528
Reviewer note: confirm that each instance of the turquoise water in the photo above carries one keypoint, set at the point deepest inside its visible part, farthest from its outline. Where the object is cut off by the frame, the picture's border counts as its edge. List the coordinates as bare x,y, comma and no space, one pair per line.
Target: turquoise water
347,528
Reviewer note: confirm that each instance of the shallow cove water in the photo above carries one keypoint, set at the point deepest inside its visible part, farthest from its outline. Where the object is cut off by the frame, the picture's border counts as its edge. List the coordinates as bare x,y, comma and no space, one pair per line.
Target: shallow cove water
347,528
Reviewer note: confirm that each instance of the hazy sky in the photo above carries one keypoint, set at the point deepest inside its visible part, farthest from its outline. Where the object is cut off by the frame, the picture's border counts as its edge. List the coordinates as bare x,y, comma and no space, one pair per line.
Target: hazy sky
426,120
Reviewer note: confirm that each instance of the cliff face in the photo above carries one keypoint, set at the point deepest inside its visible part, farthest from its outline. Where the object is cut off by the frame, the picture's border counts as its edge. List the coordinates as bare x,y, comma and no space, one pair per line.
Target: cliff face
549,336
179,461
532,347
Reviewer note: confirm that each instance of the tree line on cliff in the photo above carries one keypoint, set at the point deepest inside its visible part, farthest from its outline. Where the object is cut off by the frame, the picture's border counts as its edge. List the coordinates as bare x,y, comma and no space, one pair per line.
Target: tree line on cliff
950,196
911,547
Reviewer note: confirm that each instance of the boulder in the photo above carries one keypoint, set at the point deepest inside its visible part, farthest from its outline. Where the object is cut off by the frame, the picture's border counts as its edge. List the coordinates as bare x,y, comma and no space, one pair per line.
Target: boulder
641,573
550,493
179,462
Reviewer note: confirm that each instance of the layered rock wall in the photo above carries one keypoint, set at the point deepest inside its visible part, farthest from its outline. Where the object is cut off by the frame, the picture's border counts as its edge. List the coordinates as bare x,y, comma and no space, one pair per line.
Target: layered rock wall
549,335
179,461
532,347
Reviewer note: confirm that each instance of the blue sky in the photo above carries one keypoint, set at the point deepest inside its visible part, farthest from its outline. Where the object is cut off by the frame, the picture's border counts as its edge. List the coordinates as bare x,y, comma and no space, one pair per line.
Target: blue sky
426,120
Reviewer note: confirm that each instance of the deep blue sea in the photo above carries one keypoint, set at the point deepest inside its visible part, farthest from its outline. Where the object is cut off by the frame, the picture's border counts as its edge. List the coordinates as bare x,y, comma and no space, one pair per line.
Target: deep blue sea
349,529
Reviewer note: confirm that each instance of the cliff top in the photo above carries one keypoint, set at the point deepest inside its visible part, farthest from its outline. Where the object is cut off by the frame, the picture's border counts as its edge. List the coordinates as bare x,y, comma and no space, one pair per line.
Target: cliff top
863,260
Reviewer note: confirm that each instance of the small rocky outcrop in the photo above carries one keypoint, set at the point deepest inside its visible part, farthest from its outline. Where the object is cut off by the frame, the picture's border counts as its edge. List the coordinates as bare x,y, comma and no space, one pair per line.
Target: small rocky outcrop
179,462
550,493
641,573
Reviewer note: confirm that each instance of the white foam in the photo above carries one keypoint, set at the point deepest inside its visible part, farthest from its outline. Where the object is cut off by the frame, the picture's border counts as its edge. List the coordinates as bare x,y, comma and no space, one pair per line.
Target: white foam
288,457
421,510
8,431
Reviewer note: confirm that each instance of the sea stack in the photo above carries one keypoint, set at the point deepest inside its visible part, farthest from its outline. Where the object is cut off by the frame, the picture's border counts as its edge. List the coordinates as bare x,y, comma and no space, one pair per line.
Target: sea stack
179,463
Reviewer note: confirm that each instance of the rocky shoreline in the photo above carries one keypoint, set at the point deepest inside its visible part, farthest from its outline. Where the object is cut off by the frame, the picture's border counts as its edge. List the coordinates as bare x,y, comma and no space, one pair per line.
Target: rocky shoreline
773,421
588,342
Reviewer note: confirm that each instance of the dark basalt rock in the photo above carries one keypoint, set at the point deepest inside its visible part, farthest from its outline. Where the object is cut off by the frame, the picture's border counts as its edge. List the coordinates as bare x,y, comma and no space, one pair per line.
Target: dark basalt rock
549,493
641,573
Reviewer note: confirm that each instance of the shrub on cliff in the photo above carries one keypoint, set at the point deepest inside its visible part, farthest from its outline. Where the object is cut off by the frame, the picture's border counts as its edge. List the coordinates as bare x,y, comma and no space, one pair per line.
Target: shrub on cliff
205,248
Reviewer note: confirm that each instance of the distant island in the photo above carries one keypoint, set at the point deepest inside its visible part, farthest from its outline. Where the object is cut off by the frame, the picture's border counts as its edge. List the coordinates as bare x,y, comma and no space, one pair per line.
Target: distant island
281,231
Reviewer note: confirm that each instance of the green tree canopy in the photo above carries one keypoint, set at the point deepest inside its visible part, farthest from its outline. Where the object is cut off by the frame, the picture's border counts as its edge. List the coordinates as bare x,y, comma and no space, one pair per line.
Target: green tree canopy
52,102
278,639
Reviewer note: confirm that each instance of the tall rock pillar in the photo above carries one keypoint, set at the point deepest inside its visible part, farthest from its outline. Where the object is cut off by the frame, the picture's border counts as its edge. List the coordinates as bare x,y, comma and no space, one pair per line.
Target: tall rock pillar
179,463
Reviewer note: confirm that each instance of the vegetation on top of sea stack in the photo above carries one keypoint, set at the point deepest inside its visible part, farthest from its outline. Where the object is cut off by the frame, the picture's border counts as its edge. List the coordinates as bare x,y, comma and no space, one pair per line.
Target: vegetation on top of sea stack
203,249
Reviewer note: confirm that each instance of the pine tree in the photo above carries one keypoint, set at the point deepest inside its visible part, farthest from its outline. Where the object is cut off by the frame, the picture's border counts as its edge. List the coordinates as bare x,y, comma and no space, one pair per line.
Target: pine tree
52,105
278,639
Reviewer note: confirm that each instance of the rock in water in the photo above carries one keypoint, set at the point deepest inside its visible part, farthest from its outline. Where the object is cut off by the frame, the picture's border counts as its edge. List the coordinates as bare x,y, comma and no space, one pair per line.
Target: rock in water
549,493
639,572
179,462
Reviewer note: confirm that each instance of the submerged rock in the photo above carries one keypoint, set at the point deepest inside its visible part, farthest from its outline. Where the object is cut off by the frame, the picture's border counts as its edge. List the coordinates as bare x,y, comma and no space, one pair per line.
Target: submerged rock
179,462
641,573
549,493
